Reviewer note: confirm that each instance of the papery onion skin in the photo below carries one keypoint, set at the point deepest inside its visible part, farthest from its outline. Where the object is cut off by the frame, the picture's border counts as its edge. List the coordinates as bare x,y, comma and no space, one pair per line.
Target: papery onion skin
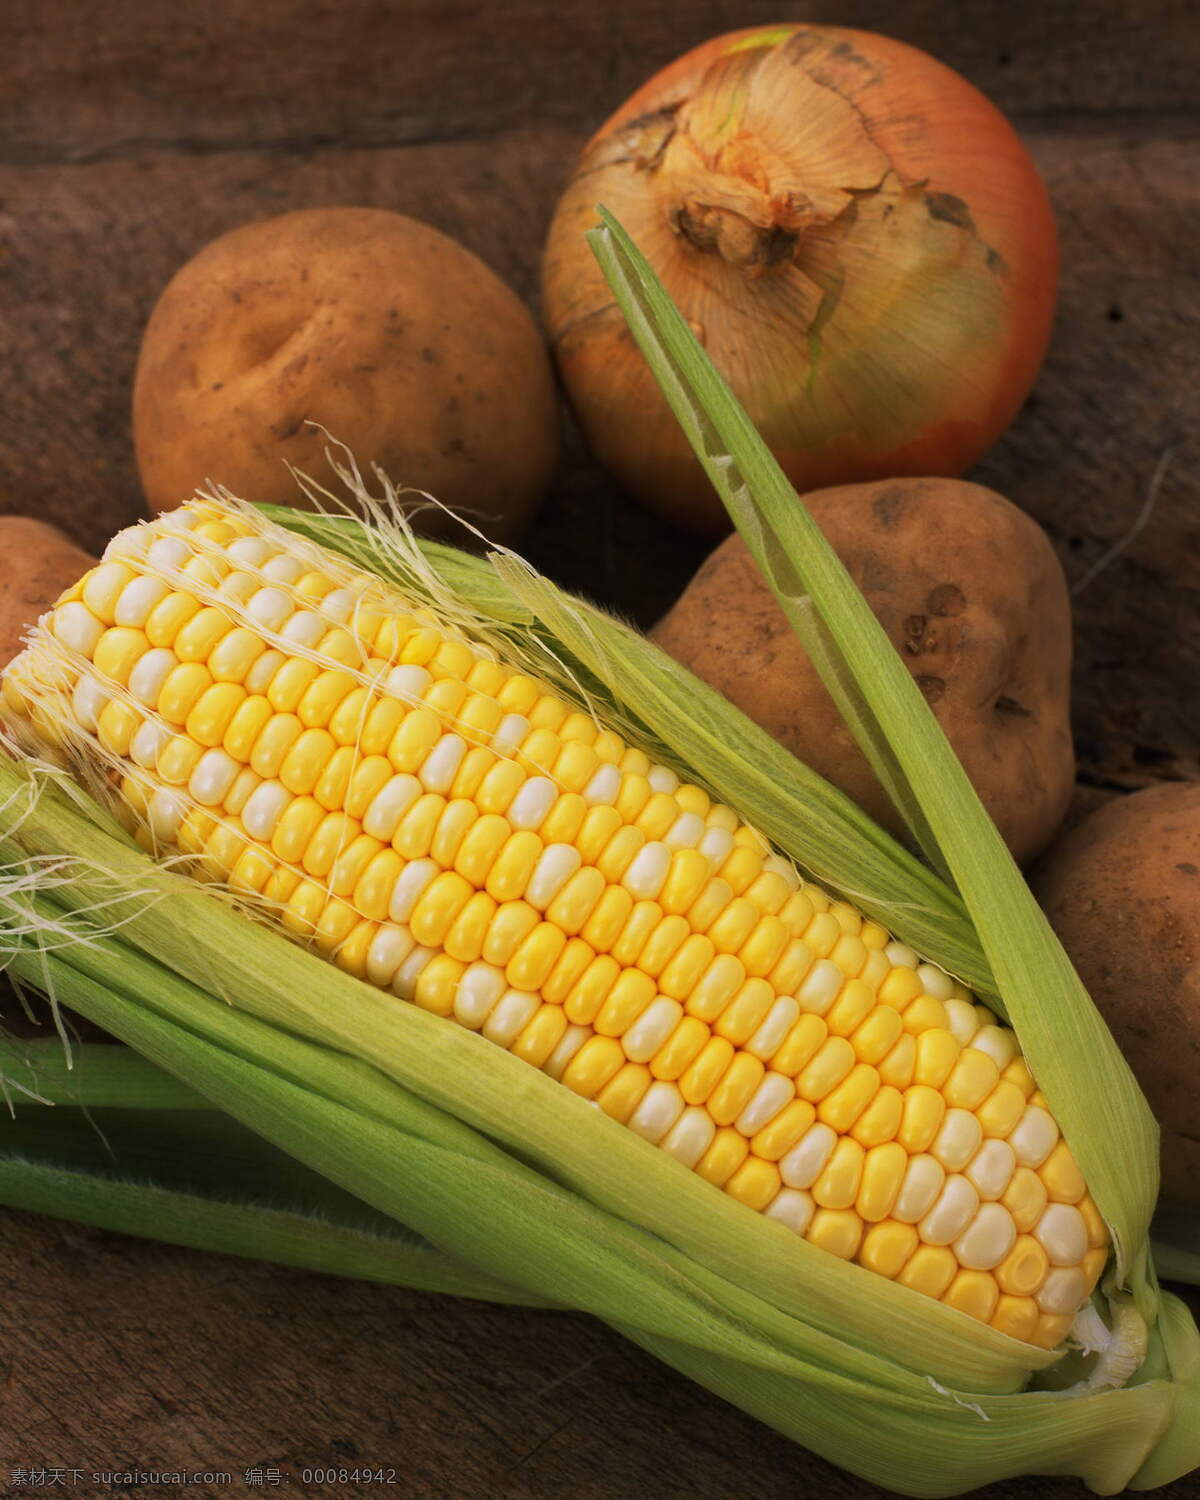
856,234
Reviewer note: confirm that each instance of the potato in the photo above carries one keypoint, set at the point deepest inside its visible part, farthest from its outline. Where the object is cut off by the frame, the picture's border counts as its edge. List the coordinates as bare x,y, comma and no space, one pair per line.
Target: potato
973,597
398,341
1122,890
37,564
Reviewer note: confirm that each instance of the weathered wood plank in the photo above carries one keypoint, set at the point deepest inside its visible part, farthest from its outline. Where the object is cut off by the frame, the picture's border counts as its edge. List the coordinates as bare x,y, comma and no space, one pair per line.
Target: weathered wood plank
251,73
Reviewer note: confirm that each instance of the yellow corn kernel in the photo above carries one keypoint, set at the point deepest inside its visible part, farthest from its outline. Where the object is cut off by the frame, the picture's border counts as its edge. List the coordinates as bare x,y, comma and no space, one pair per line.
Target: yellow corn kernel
305,761
930,1269
924,1110
972,1079
714,896
900,988
627,999
698,1081
481,844
437,984
1097,1230
797,913
570,966
177,760
1015,1316
755,1183
842,1107
800,1046
590,991
418,733
1025,1198
512,867
974,1293
624,1091
724,1156
604,926
662,945
117,725
1051,1329
839,1231
290,683
887,1247
273,743
632,796
735,924
1018,1074
829,1066
643,920
937,1053
598,1060
438,905
619,852
181,690
747,1010
248,722
925,1013
446,698
1023,1269
881,1119
468,933
317,705
352,861
838,1184
541,1035
331,836
168,617
882,1173
197,639
373,890
897,1067
531,964
1061,1176
512,924
1000,1111
681,1049
854,1004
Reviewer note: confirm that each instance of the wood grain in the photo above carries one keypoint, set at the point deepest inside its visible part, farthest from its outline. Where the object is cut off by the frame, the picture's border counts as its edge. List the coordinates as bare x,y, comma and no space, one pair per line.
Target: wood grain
132,134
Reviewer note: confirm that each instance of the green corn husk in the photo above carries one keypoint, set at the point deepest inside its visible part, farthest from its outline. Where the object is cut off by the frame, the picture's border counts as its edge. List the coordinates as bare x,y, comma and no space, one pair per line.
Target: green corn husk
506,1172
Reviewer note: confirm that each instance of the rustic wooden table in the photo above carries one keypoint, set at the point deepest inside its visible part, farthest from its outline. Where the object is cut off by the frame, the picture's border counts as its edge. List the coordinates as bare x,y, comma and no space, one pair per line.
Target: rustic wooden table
133,133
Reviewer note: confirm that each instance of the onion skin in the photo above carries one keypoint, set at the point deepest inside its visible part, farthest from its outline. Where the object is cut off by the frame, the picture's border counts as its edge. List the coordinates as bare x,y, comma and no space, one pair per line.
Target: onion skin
854,232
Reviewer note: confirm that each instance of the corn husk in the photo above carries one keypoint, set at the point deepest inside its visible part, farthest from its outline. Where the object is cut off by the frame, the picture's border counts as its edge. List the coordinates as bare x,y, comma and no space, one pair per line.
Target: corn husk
503,1171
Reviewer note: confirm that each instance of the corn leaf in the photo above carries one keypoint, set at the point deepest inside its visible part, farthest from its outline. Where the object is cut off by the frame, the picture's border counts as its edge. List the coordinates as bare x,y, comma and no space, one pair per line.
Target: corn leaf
501,1169
1092,1091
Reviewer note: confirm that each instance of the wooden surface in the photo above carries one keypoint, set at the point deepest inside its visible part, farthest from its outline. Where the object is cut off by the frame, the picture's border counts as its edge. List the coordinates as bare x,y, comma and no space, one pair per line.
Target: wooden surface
131,134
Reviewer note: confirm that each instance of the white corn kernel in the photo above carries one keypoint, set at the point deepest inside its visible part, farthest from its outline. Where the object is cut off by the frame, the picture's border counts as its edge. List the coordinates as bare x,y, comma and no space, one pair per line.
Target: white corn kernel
264,808
775,1026
958,1139
533,801
304,628
410,884
662,779
149,673
901,956
166,813
685,832
773,1094
258,678
923,1180
690,1136
556,865
389,805
479,989
956,1206
407,683
603,787
647,871
214,774
936,981
338,605
88,701
440,766
962,1020
76,627
137,599
389,948
509,734
1062,1233
805,1162
1063,1290
404,981
569,1044
716,845
652,1029
996,1042
991,1168
147,743
661,1106
127,544
820,987
987,1239
283,568
269,607
510,1016
793,1207
1034,1136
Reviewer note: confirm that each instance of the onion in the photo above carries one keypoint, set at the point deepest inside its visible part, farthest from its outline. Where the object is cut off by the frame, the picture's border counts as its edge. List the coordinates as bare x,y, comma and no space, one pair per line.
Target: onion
856,235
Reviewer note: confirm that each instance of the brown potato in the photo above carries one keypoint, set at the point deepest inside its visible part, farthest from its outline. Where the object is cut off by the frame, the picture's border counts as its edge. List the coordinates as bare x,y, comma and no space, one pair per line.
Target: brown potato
397,340
37,563
972,595
1122,890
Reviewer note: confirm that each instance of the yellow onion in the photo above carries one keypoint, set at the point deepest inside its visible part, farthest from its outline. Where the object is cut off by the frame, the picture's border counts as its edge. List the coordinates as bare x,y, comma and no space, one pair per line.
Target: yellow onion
856,235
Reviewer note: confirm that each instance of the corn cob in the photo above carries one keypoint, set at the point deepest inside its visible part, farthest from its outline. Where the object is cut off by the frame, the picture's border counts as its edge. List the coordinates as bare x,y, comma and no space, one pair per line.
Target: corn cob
450,829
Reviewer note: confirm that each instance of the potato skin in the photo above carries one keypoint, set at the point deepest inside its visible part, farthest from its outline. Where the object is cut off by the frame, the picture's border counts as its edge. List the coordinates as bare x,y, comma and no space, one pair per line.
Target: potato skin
397,340
37,564
1122,890
972,595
